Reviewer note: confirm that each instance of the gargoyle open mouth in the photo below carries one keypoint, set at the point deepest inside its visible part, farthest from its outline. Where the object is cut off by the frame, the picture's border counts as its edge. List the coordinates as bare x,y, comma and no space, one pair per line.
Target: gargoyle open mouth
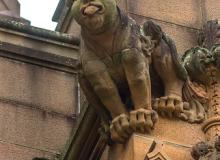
92,8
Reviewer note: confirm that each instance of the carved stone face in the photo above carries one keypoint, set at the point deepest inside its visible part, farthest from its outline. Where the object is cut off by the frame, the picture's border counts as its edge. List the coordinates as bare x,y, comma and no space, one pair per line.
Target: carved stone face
95,16
196,61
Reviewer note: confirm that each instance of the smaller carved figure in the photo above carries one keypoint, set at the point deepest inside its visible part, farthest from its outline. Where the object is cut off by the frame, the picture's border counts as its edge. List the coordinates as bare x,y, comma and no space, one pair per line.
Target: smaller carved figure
204,151
200,150
196,62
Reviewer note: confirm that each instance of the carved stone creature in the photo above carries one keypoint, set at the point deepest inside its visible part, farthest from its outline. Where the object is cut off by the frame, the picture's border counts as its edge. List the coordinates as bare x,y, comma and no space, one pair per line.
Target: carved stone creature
196,61
181,97
115,59
205,151
200,150
166,63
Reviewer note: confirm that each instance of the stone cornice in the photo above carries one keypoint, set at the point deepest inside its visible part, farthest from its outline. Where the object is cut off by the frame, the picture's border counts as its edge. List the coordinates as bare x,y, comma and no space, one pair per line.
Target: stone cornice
42,51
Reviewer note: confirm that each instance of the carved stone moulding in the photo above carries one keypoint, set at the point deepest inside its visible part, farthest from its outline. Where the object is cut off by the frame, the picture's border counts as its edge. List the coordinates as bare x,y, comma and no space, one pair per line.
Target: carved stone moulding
209,123
157,155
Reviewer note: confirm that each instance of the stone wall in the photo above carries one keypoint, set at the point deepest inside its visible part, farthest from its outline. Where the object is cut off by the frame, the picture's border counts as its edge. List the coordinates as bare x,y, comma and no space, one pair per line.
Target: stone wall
180,19
38,94
12,6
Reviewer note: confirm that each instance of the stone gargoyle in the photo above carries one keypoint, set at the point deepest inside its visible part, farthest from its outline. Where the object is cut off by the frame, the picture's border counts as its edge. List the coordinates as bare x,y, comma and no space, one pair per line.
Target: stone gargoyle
117,56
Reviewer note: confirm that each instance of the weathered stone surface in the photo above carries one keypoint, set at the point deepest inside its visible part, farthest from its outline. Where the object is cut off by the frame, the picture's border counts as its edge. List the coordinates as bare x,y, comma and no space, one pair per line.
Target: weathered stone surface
33,128
37,86
123,5
38,43
188,134
188,11
212,11
183,37
134,149
16,152
139,146
175,151
74,29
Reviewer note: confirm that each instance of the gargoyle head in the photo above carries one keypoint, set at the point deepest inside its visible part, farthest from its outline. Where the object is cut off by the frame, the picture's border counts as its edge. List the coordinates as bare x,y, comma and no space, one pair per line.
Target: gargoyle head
95,16
153,30
196,61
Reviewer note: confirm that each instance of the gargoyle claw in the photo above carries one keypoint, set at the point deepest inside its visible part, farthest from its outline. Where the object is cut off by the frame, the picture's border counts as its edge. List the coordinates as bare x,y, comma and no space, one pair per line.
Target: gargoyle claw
143,120
120,129
168,106
193,112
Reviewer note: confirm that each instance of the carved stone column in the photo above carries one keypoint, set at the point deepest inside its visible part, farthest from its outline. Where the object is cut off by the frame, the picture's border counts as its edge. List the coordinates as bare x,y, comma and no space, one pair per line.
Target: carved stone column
211,126
210,150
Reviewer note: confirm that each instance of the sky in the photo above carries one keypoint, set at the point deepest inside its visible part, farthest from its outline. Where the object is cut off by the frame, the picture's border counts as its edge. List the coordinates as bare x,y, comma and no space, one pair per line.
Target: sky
39,12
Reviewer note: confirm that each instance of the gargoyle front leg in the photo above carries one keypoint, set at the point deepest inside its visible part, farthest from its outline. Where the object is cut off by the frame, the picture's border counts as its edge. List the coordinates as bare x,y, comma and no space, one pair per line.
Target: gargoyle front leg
106,90
171,103
142,119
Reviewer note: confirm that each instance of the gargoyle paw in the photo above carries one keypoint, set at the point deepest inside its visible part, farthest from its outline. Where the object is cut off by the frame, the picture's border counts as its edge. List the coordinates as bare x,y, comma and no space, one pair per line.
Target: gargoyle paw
120,129
168,106
193,112
143,120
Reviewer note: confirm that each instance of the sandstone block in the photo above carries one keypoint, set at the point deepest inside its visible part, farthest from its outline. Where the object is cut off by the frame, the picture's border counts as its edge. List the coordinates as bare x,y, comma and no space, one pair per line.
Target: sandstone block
212,11
34,128
186,13
184,37
38,86
15,152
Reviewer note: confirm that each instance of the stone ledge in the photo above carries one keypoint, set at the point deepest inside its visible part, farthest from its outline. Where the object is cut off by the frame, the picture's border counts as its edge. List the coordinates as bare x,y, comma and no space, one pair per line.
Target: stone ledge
39,32
39,51
142,147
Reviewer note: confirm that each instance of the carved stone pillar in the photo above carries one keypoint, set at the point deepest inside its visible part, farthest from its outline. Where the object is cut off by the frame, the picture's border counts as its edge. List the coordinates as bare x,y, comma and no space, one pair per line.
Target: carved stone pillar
210,149
211,126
